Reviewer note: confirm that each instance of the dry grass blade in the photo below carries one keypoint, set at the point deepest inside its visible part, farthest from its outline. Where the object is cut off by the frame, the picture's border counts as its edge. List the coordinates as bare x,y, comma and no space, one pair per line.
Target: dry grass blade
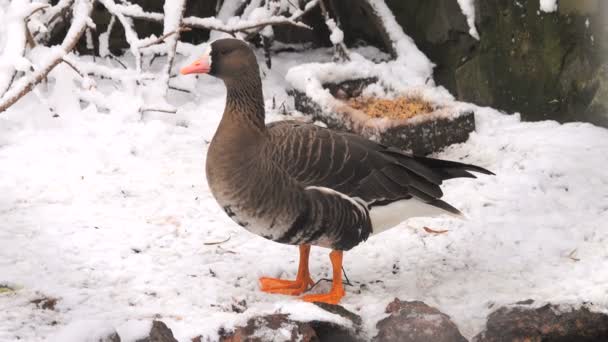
435,231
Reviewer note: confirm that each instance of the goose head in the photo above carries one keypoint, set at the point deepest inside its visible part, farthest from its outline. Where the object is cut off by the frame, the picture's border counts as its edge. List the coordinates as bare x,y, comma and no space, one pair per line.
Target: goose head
226,59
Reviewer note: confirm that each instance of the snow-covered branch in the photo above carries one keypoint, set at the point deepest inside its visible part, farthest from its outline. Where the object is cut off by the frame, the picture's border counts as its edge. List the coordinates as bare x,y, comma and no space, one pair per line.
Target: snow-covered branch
174,14
80,20
127,24
11,59
336,36
214,24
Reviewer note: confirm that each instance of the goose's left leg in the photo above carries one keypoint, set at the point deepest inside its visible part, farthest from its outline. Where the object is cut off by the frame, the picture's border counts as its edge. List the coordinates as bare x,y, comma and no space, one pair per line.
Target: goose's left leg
291,287
337,289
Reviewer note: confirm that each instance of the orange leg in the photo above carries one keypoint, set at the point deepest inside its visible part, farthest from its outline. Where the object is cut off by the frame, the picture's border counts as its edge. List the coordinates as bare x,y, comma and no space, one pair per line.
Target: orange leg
337,290
291,287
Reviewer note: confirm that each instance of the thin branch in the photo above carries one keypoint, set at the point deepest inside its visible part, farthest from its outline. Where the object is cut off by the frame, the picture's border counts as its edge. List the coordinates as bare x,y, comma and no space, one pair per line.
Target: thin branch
68,63
42,7
165,36
340,48
217,242
214,24
82,10
152,109
179,89
172,23
112,57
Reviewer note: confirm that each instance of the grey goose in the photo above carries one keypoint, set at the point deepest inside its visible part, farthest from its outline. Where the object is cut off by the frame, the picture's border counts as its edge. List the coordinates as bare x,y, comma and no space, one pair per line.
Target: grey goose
301,184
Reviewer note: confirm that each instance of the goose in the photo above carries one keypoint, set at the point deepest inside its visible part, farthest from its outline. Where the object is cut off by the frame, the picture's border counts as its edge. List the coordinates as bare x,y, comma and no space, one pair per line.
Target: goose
300,184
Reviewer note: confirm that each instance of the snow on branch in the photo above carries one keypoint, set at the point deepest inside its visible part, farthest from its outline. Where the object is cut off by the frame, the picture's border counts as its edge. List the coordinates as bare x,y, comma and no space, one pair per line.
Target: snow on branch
174,14
127,24
80,21
11,59
336,36
214,24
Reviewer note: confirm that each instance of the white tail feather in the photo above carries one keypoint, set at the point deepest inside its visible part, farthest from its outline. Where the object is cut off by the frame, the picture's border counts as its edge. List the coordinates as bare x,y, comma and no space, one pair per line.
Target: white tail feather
388,216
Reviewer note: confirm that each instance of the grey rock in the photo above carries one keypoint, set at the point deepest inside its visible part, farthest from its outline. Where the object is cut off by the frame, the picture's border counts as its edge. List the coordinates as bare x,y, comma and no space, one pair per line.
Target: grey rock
547,324
270,328
159,333
416,322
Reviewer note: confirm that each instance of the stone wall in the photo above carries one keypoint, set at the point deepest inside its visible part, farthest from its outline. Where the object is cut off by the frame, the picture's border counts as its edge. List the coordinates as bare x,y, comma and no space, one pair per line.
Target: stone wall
544,65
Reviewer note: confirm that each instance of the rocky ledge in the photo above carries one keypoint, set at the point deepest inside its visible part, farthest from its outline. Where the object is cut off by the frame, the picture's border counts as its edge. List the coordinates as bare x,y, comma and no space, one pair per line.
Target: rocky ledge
413,321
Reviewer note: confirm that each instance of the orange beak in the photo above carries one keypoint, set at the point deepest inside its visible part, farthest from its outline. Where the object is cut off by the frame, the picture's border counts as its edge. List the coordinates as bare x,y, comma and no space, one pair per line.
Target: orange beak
200,66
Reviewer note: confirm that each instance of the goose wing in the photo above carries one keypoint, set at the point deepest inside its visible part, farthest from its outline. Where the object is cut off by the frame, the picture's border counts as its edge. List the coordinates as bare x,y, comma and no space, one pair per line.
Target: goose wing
360,168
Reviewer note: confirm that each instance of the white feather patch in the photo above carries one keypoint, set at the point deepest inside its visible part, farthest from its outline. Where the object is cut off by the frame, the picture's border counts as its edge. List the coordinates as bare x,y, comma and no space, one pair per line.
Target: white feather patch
387,216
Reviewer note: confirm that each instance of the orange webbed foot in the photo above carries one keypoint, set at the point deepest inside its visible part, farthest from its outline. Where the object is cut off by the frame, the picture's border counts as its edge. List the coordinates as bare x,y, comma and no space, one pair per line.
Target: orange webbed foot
286,287
337,289
333,297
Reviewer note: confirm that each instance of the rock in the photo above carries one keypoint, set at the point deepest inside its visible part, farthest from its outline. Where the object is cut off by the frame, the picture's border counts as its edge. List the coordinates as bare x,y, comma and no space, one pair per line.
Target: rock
416,322
279,327
440,30
539,64
328,331
546,324
597,112
159,333
528,61
113,337
46,303
275,327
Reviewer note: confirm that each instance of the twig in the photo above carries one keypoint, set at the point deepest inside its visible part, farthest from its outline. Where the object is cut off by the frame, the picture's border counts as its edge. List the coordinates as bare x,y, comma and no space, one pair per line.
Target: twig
340,48
42,7
82,10
179,89
68,63
50,18
572,255
217,242
130,34
165,36
162,110
112,57
435,231
175,24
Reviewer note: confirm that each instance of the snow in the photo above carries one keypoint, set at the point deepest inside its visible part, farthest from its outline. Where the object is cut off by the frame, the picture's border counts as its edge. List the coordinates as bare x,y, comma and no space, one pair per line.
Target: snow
110,214
336,36
468,9
107,208
548,5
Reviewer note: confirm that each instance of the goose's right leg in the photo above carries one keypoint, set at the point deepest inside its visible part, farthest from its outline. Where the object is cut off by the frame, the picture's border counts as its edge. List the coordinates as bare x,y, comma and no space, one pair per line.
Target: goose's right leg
291,287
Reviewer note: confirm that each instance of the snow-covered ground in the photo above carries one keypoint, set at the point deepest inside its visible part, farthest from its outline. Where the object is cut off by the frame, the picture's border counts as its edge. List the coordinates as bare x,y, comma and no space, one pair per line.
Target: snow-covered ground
112,216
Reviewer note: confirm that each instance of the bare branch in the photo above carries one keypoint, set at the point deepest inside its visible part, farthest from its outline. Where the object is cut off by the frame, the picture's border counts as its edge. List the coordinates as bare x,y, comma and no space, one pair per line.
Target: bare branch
82,10
164,36
136,12
68,63
174,14
161,110
50,18
102,71
341,52
130,33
